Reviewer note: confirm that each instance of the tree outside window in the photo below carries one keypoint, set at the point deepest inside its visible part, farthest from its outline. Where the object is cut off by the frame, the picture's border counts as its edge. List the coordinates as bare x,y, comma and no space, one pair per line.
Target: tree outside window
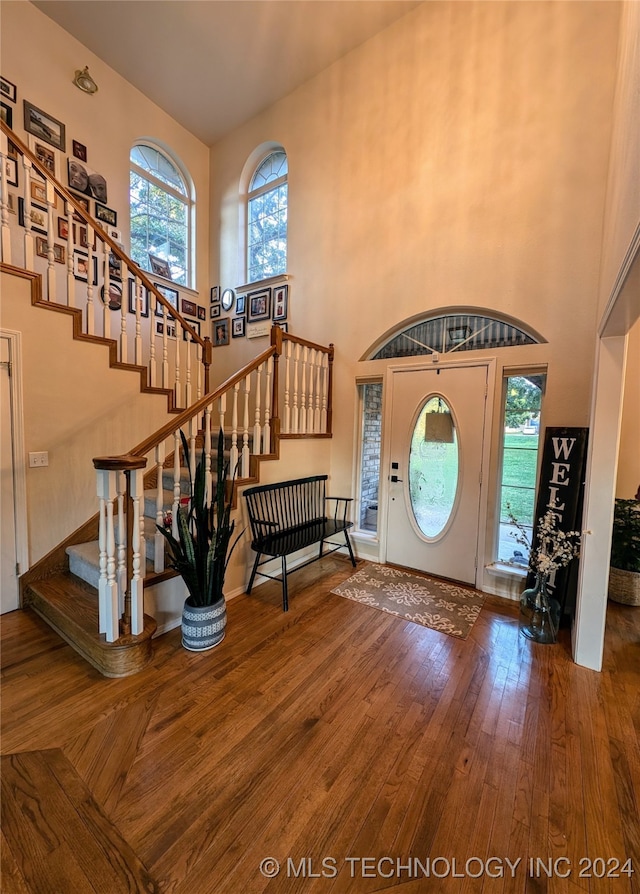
267,218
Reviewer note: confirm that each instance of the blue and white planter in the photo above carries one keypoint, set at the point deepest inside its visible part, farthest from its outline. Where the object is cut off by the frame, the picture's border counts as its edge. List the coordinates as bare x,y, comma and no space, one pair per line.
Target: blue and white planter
203,626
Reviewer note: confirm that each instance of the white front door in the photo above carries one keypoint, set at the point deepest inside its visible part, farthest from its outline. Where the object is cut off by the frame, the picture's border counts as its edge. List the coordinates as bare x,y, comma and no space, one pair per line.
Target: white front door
9,592
437,422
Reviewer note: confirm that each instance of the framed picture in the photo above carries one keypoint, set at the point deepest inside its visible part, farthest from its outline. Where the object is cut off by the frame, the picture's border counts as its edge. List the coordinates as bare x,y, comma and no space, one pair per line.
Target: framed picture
194,325
171,328
240,304
43,125
215,294
259,305
79,150
42,247
202,312
114,234
11,203
115,266
6,113
83,179
170,294
283,326
38,219
46,155
188,307
8,90
280,302
237,327
84,203
83,237
227,298
215,311
159,266
59,253
107,215
11,170
63,228
39,192
81,267
221,333
115,296
138,298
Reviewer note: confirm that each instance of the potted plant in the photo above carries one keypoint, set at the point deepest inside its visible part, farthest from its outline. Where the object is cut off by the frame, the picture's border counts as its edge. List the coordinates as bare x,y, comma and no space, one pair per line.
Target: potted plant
624,570
202,551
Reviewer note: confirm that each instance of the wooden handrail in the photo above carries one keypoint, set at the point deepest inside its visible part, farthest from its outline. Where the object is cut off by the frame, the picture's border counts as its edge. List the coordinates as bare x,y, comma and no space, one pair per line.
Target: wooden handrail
104,236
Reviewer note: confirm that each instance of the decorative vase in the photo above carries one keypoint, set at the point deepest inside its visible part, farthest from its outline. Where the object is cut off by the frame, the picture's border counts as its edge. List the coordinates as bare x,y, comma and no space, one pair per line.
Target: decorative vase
203,626
539,612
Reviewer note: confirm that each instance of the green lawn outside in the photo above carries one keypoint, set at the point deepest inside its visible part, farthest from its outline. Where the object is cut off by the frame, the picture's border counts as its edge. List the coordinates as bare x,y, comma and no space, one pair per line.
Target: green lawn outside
518,470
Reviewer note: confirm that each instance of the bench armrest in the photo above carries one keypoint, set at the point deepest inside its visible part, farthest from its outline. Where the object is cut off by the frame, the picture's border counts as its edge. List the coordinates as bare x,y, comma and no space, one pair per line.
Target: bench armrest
338,500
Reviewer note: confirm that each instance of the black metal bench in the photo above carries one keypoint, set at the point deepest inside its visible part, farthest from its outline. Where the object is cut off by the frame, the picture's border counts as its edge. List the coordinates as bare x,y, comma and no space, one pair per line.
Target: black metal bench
291,515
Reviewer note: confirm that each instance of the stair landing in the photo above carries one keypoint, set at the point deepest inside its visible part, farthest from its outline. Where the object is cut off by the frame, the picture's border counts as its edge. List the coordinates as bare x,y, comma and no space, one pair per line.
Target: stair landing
70,606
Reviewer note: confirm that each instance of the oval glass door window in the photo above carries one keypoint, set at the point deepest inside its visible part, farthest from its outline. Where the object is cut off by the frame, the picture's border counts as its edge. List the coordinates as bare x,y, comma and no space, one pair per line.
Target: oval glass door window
433,467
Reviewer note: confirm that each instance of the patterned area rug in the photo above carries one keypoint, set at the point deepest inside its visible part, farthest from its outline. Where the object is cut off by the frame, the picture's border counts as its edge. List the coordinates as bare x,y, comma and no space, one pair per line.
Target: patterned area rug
448,608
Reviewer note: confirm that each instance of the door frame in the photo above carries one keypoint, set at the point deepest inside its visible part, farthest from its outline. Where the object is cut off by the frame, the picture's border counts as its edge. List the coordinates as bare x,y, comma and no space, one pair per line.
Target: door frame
385,459
19,456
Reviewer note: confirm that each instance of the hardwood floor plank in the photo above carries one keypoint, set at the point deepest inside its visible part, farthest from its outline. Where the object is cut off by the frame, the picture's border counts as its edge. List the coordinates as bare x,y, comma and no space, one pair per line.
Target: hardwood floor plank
333,730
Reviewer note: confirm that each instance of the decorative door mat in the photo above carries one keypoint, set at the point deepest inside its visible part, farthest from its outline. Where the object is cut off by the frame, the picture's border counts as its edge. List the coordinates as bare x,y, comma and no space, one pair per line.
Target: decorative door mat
448,608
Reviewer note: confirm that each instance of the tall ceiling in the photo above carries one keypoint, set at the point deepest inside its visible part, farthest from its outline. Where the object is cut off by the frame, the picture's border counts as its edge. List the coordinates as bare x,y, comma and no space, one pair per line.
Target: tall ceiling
213,64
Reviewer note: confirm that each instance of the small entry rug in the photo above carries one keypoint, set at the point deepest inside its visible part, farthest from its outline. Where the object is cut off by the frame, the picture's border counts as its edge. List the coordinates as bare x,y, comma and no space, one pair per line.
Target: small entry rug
448,608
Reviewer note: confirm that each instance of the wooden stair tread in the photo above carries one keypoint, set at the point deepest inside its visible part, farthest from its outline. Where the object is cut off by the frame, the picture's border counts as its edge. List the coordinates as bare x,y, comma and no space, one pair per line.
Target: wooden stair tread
86,845
70,606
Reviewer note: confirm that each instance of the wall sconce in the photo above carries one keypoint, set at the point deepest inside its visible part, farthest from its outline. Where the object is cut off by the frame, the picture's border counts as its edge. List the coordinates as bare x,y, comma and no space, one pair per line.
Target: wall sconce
84,81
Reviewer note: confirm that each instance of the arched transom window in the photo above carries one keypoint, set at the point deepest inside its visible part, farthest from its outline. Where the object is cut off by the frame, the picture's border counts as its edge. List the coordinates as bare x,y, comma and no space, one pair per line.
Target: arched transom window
267,218
161,211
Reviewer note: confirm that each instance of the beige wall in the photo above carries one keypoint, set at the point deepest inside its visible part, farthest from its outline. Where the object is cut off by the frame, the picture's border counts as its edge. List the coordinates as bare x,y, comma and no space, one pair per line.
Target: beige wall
458,158
41,59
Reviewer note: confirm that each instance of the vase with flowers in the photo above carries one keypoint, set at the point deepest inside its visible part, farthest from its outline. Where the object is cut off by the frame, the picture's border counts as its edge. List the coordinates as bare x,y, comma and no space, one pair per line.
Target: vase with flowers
551,549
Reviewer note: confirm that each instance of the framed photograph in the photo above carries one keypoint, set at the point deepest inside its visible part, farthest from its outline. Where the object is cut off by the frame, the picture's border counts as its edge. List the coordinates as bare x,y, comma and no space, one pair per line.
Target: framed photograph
42,247
63,228
159,266
83,237
8,90
59,253
202,312
171,328
283,326
6,113
84,203
138,298
170,294
79,150
227,298
107,215
259,305
39,192
11,203
194,325
43,125
46,155
114,234
83,179
115,295
115,266
240,304
215,311
188,307
221,333
38,219
11,170
280,302
237,327
81,267
215,294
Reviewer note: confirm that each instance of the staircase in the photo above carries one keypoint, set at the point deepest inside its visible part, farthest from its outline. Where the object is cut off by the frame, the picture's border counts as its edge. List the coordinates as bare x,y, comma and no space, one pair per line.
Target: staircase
90,588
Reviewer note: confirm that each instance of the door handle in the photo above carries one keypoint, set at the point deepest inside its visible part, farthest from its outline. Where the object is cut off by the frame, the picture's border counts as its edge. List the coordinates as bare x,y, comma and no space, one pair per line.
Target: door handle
394,479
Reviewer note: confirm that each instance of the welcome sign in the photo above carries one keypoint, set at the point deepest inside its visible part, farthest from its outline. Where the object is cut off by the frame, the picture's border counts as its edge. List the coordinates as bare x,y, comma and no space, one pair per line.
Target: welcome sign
561,487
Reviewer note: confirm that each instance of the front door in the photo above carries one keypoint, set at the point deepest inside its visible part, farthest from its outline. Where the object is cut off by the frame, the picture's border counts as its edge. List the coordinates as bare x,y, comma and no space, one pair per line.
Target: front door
437,423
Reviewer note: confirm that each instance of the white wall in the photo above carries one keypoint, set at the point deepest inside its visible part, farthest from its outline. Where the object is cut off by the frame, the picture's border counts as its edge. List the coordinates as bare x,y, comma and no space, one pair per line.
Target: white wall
457,158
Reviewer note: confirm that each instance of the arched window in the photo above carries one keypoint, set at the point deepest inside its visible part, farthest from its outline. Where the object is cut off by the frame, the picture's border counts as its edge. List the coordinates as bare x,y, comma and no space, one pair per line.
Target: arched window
161,212
267,218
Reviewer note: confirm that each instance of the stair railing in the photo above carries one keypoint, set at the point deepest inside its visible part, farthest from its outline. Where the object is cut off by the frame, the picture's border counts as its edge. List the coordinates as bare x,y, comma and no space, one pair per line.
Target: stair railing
247,408
45,229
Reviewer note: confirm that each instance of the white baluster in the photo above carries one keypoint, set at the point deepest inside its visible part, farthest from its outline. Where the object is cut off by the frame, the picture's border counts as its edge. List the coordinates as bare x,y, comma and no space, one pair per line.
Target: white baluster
107,588
317,412
286,422
208,477
193,436
325,392
92,261
178,373
138,292
222,408
266,429
5,242
28,234
257,422
71,282
187,383
106,319
121,573
158,561
51,260
153,371
294,411
302,419
245,428
233,454
124,348
199,377
176,482
165,348
136,486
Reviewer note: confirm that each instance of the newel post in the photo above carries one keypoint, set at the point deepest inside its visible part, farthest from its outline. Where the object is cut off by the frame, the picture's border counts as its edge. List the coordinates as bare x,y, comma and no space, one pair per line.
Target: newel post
276,343
330,391
206,360
121,571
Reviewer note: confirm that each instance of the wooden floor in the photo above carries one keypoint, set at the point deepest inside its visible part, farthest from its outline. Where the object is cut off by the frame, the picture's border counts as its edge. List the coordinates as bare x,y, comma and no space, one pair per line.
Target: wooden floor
358,750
